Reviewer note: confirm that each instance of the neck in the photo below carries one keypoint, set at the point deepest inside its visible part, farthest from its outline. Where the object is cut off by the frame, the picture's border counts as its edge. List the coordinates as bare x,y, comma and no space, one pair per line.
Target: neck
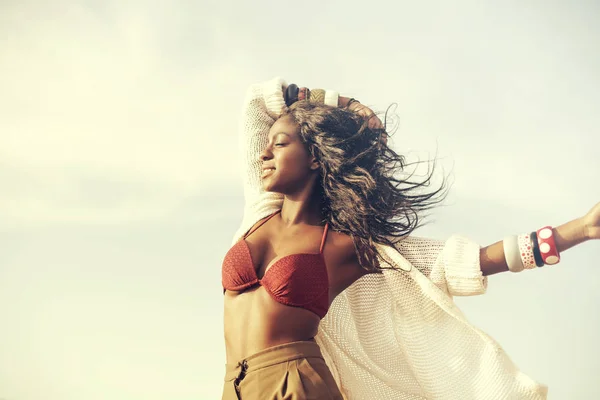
303,208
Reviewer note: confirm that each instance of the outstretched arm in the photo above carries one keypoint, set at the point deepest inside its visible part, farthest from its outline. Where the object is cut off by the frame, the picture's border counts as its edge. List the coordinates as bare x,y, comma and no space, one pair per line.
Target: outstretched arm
567,235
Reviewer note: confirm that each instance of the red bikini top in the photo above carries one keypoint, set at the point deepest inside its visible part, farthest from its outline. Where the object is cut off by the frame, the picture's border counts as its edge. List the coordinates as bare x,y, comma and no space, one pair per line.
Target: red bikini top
298,280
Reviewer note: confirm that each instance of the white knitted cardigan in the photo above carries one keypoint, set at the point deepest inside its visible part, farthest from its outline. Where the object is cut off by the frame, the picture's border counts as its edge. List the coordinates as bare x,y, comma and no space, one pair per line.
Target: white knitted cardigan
396,335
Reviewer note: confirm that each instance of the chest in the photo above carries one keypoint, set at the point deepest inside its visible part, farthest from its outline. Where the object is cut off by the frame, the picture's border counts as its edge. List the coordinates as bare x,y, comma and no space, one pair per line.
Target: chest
307,249
268,249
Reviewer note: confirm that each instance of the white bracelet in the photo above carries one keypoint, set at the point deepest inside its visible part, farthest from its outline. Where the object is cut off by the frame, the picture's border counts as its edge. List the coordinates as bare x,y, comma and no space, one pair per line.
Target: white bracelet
331,98
512,255
526,251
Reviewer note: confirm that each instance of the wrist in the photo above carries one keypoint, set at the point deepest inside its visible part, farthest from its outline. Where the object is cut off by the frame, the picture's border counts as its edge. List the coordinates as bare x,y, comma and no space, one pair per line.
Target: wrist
586,228
571,234
343,101
348,102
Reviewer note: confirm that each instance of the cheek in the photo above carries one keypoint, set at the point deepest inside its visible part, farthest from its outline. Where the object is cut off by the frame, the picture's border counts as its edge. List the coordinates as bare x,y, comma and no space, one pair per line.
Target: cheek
293,163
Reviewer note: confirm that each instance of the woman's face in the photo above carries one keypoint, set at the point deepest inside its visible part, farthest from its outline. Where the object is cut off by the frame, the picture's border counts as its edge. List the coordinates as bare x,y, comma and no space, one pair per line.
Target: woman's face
286,163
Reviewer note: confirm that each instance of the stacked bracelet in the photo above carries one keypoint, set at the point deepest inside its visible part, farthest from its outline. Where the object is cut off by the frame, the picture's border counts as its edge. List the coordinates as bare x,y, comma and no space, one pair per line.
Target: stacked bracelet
302,94
512,254
317,96
291,94
547,245
527,251
535,247
331,98
352,100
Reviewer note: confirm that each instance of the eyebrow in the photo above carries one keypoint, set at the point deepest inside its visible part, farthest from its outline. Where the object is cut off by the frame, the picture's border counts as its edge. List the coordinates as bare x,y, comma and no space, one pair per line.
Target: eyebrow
279,133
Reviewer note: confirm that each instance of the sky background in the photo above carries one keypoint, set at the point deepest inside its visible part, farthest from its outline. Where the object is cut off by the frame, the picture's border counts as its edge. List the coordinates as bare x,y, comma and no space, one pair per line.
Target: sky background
120,187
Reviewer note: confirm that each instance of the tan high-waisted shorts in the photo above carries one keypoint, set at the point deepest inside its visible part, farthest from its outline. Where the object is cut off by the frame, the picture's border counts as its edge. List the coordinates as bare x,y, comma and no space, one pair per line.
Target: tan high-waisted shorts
291,371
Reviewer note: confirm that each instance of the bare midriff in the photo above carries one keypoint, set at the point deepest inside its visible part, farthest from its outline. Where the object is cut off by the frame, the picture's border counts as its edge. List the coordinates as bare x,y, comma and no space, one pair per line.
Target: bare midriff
254,321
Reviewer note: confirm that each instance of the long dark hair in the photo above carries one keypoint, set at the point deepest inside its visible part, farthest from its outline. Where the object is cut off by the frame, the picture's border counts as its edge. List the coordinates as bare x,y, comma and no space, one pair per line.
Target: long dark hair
362,191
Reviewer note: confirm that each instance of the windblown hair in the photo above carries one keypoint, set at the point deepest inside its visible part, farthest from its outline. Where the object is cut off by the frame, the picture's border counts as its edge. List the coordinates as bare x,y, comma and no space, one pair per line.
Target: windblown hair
362,192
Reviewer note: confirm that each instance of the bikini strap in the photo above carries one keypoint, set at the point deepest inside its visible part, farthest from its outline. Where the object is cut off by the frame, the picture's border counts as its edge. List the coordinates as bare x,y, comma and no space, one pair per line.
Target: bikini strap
252,230
324,237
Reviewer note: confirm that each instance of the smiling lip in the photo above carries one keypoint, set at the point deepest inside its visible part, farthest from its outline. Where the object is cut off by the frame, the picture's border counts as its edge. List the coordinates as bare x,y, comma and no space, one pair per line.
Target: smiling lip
267,172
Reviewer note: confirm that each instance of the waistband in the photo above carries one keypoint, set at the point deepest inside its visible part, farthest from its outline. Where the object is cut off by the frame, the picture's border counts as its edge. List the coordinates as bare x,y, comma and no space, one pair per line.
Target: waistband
273,355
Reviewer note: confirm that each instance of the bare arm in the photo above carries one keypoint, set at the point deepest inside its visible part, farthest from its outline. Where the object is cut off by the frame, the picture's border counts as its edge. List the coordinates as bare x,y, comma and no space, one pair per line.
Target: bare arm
566,236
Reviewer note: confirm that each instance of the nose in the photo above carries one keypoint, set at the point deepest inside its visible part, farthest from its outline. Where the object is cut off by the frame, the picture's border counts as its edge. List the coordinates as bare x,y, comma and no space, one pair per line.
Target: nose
265,154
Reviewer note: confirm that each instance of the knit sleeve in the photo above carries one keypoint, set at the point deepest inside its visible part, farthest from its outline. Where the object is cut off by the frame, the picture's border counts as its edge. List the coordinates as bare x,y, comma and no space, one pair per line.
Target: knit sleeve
452,265
263,104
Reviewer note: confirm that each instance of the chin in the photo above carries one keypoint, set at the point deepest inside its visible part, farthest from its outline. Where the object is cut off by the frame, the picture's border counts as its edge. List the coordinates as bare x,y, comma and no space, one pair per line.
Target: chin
270,188
267,188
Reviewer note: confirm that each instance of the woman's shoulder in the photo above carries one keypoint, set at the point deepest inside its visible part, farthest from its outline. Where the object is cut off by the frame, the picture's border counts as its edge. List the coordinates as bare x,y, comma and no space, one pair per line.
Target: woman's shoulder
341,259
340,244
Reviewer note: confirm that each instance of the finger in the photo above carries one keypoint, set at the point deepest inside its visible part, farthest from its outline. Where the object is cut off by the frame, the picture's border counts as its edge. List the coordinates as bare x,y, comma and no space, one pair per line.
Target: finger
368,114
375,122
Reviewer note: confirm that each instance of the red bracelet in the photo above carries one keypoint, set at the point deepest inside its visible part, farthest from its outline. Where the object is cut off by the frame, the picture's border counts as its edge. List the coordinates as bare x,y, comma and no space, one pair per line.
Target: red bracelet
548,249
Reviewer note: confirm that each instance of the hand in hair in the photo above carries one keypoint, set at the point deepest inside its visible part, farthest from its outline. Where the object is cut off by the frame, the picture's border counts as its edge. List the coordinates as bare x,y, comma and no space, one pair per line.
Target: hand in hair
366,113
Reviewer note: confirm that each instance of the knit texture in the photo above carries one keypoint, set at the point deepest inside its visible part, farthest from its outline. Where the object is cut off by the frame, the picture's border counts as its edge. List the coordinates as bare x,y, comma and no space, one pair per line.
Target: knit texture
396,335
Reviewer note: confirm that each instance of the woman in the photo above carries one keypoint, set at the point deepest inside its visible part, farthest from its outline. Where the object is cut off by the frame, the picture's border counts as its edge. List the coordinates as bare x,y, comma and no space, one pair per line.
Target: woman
327,217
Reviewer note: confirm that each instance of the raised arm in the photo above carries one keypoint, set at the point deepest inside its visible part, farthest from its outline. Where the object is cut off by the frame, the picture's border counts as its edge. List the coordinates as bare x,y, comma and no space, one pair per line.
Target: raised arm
263,104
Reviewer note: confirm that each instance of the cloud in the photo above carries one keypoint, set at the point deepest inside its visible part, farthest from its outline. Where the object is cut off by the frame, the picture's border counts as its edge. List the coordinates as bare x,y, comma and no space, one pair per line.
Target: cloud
102,122
116,110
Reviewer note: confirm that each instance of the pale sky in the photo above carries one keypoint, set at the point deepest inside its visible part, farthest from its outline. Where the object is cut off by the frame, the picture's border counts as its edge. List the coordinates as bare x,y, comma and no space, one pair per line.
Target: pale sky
120,183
